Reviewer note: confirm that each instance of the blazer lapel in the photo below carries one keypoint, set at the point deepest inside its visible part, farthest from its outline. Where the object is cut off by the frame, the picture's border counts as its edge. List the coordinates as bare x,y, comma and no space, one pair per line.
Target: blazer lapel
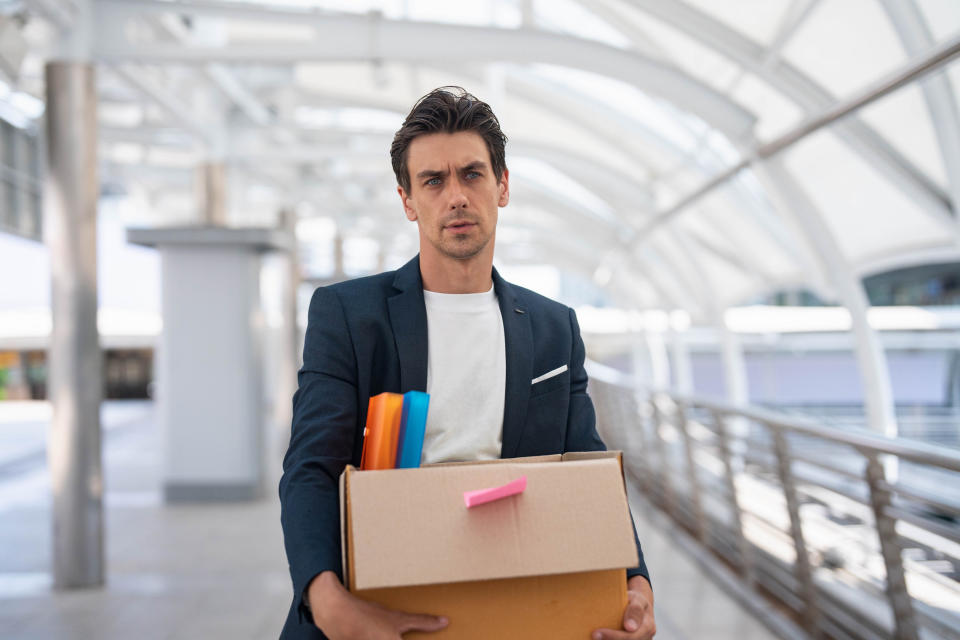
518,339
408,317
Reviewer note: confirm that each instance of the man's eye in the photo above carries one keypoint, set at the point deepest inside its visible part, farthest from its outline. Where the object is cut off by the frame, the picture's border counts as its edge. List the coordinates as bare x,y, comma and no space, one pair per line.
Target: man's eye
432,181
473,174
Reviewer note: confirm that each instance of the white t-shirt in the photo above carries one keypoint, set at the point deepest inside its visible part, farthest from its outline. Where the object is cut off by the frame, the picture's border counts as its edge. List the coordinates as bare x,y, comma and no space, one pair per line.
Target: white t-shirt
466,377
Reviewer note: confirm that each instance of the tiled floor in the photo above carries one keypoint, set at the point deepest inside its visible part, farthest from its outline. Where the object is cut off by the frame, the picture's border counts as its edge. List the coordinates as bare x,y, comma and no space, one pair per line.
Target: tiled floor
688,605
219,571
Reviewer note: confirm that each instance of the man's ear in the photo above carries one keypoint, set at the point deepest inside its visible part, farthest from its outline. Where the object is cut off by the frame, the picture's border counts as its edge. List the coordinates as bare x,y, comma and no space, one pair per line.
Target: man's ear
504,187
407,209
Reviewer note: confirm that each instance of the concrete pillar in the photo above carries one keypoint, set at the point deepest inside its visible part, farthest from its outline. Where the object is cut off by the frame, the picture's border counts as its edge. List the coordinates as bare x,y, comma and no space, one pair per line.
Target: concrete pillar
211,190
338,272
75,377
288,223
210,359
288,357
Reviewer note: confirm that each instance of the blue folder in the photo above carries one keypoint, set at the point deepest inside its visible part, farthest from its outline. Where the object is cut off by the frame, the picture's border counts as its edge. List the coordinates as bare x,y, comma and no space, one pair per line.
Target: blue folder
413,422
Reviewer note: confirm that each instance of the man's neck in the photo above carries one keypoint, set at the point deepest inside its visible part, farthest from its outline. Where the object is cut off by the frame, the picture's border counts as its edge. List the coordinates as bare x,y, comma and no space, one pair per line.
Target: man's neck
448,275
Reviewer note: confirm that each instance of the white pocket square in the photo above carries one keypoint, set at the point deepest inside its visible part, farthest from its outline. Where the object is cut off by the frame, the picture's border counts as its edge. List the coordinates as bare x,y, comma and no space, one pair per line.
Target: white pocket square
549,374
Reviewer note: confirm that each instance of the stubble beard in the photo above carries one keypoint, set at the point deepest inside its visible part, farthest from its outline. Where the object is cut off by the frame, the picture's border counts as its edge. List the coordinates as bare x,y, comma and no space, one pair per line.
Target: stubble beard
463,248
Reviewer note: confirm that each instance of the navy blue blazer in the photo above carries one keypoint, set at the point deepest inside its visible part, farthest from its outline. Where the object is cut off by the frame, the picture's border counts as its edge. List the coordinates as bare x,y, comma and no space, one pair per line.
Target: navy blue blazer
368,336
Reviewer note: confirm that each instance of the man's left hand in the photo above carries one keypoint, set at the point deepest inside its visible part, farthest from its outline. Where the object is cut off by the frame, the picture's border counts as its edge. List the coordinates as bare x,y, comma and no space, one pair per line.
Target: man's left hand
638,622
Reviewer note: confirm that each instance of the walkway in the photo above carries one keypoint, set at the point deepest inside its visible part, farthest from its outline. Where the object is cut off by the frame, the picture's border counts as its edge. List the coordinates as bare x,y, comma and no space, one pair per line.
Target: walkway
219,571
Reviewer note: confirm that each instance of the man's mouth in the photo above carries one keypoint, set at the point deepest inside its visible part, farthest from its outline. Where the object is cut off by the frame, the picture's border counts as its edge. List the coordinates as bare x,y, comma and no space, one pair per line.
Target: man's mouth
461,225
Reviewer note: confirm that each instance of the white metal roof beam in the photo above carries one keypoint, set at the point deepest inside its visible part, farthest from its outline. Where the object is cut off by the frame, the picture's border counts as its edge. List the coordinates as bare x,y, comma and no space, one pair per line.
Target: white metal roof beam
606,181
238,94
586,170
610,11
370,37
903,257
806,93
221,76
668,280
178,112
909,23
911,72
671,295
62,13
629,193
580,108
795,15
739,262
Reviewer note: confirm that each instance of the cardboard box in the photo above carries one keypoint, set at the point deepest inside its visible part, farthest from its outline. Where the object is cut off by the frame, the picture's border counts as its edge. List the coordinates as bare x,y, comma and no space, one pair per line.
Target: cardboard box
547,563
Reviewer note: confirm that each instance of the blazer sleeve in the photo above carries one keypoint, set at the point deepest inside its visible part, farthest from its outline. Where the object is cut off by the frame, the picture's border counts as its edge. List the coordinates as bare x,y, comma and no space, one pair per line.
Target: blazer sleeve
321,445
582,424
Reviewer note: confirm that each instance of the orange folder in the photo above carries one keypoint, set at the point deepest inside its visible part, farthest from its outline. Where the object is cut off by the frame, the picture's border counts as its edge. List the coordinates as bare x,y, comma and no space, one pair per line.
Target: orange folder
382,431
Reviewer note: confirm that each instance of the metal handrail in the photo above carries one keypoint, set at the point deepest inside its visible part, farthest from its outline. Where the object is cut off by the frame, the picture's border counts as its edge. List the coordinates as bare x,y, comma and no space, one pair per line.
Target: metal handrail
676,447
912,450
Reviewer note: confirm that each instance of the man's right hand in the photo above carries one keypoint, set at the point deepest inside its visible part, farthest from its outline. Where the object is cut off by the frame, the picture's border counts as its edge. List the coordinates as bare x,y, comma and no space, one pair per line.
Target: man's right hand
343,616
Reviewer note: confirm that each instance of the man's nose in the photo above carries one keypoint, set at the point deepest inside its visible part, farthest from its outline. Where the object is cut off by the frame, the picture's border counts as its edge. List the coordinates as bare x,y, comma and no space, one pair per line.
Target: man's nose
458,199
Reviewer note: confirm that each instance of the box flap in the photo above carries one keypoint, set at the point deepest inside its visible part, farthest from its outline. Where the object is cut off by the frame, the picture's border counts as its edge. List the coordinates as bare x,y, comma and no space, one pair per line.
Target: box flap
410,526
590,455
550,457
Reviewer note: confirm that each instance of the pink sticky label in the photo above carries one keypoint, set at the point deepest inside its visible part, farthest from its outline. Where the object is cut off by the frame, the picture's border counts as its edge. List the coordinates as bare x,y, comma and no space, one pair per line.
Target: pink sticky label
482,496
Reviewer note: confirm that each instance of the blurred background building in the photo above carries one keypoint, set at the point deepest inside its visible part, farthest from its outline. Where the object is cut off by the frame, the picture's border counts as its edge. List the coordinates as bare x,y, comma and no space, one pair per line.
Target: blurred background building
753,205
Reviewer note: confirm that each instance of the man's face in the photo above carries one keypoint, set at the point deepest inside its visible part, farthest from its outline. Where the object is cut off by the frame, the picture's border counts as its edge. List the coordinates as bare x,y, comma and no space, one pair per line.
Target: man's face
454,195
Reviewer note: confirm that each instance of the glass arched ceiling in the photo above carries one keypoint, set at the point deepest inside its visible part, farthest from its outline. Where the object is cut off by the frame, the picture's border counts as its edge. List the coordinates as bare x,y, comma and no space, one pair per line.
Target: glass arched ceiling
616,110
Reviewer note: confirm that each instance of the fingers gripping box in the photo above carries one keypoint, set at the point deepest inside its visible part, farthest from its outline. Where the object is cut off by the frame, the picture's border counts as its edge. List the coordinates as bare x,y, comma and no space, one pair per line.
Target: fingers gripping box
548,562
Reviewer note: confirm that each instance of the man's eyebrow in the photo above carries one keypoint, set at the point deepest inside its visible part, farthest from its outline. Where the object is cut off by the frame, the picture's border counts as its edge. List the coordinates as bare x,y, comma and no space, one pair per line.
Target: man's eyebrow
431,173
435,173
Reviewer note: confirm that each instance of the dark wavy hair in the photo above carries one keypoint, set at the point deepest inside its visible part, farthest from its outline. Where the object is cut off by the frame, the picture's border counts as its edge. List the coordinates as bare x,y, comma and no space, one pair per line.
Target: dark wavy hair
448,110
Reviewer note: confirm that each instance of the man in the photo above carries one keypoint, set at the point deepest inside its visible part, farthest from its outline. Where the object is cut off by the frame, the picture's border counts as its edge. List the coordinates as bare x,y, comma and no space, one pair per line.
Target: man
503,365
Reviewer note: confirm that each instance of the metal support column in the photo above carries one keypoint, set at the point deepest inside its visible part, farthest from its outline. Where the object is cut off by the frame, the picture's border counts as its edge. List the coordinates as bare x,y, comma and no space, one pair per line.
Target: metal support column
639,448
290,342
736,513
211,183
699,521
75,382
289,223
904,619
802,569
663,454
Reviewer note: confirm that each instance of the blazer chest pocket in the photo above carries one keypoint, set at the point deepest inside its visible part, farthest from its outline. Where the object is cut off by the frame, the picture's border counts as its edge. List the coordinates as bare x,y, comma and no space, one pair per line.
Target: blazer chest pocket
559,381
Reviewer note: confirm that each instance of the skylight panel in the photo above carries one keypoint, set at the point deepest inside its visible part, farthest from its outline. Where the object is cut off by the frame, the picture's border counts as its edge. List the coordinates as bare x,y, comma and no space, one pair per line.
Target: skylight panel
844,46
865,212
904,120
942,17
